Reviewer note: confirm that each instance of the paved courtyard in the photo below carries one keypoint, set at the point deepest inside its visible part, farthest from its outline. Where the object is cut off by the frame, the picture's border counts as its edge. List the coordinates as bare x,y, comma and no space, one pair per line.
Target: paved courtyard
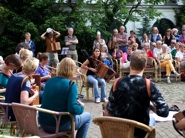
173,93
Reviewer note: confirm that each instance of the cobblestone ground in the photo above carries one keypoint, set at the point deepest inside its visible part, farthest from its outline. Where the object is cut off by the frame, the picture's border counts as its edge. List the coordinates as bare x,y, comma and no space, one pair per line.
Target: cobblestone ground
173,93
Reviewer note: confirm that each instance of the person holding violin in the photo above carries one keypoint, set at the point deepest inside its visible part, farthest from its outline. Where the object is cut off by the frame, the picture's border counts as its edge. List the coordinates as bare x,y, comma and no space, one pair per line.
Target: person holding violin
91,64
11,62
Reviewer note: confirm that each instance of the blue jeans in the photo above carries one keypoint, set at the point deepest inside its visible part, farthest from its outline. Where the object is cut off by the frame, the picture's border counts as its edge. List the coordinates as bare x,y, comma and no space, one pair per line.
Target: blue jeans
152,121
94,80
82,123
53,58
123,48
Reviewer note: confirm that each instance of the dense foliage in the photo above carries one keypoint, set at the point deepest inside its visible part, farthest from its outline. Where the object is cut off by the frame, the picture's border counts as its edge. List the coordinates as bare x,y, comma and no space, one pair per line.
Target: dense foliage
34,16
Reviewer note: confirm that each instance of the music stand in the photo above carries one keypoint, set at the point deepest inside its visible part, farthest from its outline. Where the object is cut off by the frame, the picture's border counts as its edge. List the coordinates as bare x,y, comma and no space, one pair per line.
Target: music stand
64,51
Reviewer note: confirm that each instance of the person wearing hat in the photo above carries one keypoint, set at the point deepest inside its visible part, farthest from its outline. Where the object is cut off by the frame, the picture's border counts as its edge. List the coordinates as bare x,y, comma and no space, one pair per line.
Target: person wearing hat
133,39
172,44
71,41
50,37
99,42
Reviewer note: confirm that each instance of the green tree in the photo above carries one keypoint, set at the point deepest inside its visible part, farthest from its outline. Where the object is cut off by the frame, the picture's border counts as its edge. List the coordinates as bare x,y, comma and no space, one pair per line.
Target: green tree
34,16
146,27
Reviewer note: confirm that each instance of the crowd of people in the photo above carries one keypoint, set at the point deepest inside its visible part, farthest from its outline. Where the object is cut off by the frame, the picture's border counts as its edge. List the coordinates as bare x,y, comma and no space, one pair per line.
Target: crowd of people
63,92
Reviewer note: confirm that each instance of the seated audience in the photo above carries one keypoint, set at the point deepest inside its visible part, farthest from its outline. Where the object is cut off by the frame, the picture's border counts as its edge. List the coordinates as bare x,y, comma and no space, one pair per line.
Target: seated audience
165,59
11,62
23,54
158,49
43,69
180,56
129,97
126,57
144,40
175,33
152,46
91,65
155,36
60,94
148,52
99,42
182,36
20,46
134,46
105,56
117,54
168,37
172,45
174,51
18,92
133,39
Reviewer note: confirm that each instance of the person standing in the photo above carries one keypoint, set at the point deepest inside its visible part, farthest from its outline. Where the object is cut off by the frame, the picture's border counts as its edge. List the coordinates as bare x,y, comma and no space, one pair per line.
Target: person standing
71,41
28,41
113,41
122,39
50,37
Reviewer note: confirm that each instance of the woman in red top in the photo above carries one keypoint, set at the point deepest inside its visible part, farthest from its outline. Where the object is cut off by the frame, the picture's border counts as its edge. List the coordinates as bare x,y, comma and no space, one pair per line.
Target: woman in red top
149,52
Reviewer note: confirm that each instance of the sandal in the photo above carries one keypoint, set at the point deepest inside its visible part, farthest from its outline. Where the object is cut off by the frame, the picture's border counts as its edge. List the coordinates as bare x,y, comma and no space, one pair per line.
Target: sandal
174,108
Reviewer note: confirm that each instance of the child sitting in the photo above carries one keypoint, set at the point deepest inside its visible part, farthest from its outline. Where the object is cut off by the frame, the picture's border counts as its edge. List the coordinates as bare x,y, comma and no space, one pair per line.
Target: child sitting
105,56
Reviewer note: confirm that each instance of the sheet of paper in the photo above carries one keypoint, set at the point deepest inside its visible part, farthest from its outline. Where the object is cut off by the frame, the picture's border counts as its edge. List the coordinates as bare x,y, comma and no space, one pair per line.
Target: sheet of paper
159,119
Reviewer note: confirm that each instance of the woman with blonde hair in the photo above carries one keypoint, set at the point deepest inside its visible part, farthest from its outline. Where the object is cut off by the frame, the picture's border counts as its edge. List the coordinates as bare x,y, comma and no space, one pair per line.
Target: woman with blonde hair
155,36
23,54
165,59
158,49
19,91
64,99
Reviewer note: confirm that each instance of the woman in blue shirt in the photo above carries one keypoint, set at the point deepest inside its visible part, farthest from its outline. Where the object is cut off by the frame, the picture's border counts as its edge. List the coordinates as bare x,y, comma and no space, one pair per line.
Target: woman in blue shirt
58,97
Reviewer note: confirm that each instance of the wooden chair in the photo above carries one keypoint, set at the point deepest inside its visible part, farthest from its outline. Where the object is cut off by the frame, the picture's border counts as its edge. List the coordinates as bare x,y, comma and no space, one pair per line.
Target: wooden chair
113,127
26,117
84,82
151,69
5,120
179,69
160,70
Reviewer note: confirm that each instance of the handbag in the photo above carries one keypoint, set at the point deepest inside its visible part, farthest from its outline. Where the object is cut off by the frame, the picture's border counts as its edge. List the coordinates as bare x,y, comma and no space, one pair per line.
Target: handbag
55,46
176,118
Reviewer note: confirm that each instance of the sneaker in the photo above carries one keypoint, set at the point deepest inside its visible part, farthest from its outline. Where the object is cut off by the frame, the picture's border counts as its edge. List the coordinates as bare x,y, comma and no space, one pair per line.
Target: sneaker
168,80
104,100
97,100
176,74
